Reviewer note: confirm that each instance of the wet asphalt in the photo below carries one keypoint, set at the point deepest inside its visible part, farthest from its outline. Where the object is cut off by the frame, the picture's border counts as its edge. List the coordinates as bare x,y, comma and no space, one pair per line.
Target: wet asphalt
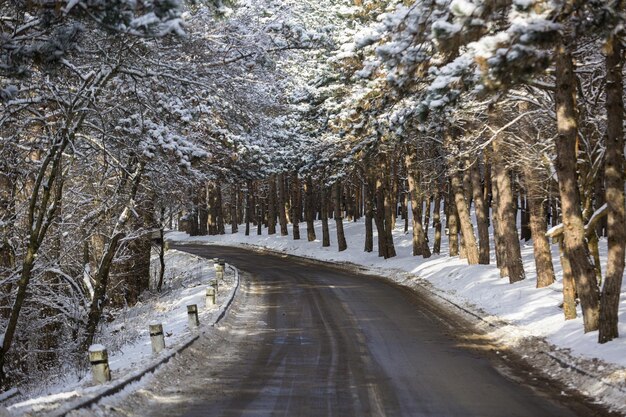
307,339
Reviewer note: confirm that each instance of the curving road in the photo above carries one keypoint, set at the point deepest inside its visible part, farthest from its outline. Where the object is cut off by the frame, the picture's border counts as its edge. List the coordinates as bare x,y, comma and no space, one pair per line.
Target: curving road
305,339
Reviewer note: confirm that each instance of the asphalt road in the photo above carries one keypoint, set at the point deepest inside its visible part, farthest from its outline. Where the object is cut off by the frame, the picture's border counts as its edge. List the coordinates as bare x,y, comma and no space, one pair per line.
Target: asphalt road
312,340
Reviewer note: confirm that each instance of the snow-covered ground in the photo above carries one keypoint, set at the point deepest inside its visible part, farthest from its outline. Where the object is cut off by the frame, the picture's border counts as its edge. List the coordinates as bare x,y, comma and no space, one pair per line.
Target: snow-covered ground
127,338
521,310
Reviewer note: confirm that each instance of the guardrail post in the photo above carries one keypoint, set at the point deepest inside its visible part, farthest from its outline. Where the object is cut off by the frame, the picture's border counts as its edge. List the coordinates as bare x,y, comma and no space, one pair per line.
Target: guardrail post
157,338
192,316
211,295
99,359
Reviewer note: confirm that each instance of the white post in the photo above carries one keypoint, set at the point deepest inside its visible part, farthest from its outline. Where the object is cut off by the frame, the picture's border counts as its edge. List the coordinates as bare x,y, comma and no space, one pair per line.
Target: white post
210,297
192,316
156,337
99,359
219,269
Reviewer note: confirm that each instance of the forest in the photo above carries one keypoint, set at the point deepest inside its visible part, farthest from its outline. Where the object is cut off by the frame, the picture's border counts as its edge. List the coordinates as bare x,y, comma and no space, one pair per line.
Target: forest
120,121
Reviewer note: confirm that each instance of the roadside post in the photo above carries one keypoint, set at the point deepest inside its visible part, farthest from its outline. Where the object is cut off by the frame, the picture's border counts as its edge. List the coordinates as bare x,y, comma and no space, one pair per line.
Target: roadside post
156,337
99,359
192,316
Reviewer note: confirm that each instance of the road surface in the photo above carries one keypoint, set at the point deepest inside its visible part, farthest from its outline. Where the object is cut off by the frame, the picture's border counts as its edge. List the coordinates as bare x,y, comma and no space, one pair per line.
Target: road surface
305,339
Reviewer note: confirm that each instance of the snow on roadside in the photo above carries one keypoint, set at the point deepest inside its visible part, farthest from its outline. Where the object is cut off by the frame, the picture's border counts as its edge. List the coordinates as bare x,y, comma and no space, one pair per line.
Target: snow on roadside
126,337
521,310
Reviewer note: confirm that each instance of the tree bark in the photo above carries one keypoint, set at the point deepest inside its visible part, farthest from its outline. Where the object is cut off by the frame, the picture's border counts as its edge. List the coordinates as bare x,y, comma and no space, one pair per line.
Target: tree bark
282,212
271,206
221,229
234,226
614,184
471,248
310,209
420,246
505,207
324,213
452,224
437,221
538,228
369,217
203,212
249,206
341,237
481,214
295,205
497,231
574,233
569,288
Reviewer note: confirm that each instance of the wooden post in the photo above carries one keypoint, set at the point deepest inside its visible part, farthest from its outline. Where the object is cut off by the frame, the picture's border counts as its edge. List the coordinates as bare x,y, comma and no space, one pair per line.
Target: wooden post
211,295
156,337
192,316
99,359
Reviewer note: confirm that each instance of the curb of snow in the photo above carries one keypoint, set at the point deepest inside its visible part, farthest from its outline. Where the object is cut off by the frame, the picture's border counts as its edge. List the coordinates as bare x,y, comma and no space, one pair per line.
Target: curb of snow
136,376
558,359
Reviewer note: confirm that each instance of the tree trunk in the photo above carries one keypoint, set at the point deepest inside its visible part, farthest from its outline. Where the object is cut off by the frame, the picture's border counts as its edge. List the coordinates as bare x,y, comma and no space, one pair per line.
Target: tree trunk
390,205
569,289
271,206
481,214
427,211
505,207
471,248
614,184
203,212
420,246
295,206
369,217
310,209
497,231
102,274
538,228
249,206
526,231
234,226
159,286
437,221
341,237
212,212
574,233
452,225
282,212
324,212
221,229
259,215
44,201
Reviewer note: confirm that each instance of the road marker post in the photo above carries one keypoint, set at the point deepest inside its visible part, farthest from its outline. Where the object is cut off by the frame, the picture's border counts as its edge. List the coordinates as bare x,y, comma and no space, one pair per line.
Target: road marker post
211,295
99,360
192,316
219,269
156,337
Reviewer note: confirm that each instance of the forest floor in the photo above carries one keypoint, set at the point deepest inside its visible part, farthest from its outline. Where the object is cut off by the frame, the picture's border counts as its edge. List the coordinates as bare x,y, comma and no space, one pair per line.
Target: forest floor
520,316
126,335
